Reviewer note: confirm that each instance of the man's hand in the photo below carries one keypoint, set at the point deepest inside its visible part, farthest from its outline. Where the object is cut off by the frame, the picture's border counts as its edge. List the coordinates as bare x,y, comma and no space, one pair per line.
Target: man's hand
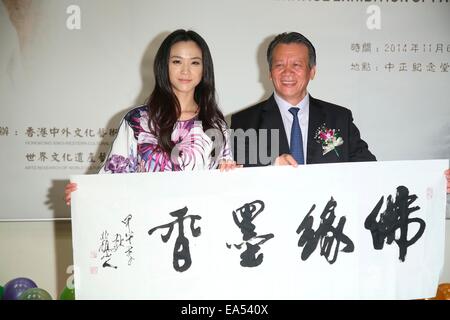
285,159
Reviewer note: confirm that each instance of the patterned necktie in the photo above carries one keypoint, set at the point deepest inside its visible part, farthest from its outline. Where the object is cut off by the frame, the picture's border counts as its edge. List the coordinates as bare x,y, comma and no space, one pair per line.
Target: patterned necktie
296,138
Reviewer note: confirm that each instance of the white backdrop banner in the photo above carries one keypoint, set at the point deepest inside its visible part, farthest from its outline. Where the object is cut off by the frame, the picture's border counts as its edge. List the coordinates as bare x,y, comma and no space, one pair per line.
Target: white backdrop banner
70,69
336,231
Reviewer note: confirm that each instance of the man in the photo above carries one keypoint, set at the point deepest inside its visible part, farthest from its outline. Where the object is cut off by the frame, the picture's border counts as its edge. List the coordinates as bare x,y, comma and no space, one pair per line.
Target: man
309,130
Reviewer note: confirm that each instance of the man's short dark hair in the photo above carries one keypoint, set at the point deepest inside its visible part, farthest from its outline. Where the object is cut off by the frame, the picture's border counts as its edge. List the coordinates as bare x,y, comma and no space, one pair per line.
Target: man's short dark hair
292,37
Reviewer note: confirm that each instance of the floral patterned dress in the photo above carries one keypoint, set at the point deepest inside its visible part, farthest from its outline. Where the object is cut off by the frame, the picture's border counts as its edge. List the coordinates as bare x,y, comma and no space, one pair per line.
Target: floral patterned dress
135,148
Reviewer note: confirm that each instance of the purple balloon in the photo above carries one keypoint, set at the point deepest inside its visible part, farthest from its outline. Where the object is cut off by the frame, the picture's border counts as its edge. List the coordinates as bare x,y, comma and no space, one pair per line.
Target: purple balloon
15,287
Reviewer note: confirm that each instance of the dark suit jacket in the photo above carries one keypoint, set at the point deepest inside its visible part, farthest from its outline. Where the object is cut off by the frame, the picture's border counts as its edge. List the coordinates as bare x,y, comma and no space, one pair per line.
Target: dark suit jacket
266,115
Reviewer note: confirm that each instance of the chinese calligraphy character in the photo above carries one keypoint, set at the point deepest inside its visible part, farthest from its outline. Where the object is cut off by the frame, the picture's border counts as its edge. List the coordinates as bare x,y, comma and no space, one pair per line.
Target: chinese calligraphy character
396,216
107,247
326,234
248,213
181,252
128,237
105,250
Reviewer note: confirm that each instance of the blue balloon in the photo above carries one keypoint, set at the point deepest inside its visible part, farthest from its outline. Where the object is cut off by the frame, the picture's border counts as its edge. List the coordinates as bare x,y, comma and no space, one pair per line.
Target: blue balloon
15,287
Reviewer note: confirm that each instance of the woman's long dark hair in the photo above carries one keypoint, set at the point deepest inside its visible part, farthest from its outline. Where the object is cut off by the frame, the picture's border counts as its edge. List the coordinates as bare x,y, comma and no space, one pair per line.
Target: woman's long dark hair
163,105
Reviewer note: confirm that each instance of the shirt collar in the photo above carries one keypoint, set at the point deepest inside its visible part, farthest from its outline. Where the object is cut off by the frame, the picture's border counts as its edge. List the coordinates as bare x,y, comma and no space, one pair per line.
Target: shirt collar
285,106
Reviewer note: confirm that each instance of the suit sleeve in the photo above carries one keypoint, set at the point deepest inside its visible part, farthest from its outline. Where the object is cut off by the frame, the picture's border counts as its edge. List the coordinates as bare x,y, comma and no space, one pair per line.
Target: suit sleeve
240,142
358,148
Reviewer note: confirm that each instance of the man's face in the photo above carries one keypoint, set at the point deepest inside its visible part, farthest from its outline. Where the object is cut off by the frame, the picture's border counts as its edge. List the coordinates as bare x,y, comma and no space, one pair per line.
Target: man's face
290,73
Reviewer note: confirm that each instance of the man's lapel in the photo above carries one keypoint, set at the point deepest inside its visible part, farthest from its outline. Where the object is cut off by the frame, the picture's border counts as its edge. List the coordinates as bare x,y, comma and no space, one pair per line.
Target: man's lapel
316,119
271,119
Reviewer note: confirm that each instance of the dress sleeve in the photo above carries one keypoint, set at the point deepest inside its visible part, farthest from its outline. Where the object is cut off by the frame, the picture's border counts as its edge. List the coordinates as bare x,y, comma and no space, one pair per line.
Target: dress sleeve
225,153
122,155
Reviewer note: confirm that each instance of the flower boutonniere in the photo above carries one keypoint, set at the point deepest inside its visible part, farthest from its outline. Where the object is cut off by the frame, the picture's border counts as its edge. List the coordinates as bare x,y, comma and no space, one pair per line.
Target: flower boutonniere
329,139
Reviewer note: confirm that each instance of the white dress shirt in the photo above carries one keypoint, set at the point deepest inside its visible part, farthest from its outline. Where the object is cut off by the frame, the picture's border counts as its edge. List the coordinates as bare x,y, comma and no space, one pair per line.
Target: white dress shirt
288,118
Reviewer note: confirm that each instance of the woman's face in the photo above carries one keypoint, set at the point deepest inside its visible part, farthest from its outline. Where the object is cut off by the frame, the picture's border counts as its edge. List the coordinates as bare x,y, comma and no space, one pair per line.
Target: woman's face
185,67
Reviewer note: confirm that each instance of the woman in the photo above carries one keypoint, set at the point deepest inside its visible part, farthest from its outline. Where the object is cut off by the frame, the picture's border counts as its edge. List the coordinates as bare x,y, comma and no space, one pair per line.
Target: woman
180,127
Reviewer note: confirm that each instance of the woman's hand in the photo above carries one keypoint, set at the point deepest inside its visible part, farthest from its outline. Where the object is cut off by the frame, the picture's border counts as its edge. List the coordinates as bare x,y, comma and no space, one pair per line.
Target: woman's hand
447,175
71,187
226,165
